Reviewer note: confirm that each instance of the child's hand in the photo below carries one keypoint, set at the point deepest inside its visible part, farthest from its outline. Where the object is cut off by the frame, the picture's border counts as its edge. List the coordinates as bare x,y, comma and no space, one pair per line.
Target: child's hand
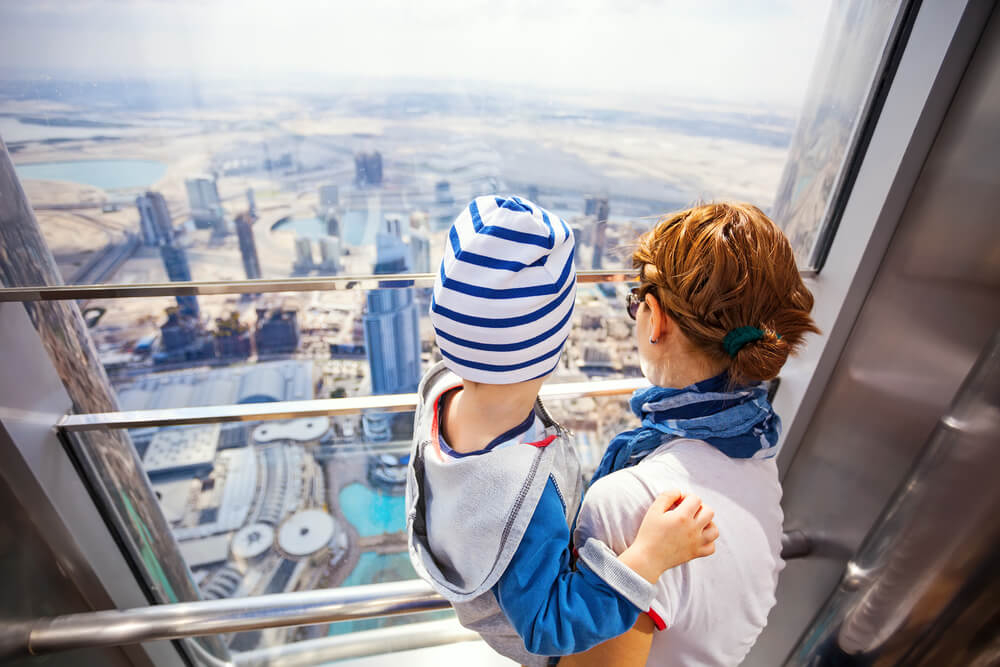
676,529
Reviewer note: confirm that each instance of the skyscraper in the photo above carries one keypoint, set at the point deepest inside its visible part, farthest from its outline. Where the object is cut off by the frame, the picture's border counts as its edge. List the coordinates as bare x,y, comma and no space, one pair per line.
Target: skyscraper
176,263
329,250
251,204
420,251
154,219
206,206
248,246
277,330
392,334
599,208
368,168
332,224
303,255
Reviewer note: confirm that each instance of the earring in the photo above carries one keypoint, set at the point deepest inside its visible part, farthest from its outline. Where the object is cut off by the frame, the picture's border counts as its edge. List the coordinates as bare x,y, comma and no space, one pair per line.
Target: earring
651,341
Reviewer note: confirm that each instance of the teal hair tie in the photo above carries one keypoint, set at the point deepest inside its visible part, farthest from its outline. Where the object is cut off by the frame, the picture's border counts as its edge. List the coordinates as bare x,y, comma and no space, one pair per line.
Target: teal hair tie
738,337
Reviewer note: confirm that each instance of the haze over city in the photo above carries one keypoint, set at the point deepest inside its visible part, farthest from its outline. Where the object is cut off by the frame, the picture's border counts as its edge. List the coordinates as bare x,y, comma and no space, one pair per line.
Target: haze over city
755,53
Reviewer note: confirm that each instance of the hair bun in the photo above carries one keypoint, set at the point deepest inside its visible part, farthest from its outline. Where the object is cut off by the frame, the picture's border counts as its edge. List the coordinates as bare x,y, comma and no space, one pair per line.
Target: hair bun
760,359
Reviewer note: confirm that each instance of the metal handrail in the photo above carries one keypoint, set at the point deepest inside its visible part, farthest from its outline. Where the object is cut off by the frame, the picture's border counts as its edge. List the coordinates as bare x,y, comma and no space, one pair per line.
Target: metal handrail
310,652
312,408
258,286
264,285
209,617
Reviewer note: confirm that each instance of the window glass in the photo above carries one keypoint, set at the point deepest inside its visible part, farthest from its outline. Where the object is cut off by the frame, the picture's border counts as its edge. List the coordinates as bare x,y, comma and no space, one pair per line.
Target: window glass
850,57
138,125
231,140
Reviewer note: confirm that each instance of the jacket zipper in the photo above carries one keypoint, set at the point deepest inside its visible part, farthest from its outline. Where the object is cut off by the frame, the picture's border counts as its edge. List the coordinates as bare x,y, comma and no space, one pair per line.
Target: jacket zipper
547,418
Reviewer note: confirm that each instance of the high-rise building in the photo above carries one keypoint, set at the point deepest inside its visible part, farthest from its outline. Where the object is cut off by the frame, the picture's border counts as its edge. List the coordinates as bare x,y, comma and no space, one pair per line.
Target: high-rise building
206,206
599,208
375,168
391,323
578,236
182,338
251,203
368,168
248,245
329,250
176,263
303,255
420,252
277,331
332,224
154,219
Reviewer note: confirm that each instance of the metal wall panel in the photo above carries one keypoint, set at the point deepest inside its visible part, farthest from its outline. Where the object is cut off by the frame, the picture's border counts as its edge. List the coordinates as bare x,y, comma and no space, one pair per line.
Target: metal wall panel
933,306
58,555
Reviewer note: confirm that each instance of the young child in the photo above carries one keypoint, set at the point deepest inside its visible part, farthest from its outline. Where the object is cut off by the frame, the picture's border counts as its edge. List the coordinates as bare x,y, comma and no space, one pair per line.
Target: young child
494,483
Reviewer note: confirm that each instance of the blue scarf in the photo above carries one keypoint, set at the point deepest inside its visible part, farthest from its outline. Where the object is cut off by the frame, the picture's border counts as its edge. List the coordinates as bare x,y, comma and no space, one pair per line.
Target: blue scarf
739,423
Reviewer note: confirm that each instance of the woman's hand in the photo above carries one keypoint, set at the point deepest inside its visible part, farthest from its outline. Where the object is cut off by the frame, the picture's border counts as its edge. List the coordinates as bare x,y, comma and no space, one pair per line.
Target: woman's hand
675,529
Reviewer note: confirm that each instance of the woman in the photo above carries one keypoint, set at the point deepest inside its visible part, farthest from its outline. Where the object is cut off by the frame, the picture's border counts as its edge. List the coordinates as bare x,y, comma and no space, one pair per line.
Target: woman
719,308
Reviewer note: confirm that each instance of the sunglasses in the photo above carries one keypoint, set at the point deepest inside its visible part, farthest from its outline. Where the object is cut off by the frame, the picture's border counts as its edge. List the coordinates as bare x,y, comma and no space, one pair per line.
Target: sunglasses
633,300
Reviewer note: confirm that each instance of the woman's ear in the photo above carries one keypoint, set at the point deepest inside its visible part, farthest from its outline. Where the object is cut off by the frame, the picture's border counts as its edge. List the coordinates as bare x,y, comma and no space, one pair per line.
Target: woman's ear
659,321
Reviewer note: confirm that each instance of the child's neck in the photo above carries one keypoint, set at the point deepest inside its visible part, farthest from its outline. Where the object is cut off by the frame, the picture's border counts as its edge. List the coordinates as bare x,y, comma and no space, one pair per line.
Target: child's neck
478,413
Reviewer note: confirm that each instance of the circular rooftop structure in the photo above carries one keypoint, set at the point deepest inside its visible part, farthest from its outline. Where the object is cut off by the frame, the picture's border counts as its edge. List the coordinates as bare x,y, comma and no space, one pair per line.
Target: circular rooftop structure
306,532
253,540
306,429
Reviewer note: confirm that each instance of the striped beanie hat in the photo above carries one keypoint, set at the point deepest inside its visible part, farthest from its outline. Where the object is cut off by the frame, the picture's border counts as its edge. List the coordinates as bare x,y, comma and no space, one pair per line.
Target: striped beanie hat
504,296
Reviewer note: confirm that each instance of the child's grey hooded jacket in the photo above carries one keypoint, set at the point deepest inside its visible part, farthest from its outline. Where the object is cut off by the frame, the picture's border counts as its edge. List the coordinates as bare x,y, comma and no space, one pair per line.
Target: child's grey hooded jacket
490,531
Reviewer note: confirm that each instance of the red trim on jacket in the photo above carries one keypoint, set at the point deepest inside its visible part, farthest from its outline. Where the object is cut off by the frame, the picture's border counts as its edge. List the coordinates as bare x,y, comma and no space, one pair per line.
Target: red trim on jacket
541,444
657,621
434,421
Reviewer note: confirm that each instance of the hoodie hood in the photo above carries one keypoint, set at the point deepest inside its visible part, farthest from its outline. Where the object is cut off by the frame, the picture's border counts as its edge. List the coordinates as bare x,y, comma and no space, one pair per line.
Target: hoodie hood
491,497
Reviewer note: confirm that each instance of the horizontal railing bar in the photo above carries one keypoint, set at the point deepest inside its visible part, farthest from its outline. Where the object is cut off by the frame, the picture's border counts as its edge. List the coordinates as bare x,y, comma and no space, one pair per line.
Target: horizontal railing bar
312,408
209,617
259,286
360,644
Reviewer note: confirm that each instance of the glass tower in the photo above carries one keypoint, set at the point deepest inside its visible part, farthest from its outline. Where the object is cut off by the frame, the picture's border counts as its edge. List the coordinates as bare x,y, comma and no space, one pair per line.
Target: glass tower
392,333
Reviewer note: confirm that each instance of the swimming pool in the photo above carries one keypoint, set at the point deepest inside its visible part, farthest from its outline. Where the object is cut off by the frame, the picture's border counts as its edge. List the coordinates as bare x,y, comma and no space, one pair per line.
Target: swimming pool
373,512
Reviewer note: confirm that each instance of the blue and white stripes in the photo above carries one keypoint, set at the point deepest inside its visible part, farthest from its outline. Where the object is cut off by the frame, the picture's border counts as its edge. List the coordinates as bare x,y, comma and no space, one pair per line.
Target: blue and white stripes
503,299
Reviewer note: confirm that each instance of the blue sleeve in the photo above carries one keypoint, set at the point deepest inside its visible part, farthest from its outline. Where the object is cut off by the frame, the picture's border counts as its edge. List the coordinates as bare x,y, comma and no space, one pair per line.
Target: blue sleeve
555,610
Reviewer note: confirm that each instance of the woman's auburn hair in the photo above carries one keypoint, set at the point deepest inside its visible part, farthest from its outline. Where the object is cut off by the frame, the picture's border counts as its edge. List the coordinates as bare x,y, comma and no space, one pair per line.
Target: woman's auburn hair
718,267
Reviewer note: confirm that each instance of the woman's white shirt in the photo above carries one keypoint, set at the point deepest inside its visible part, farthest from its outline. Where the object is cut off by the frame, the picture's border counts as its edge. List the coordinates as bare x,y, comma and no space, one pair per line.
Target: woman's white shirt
714,608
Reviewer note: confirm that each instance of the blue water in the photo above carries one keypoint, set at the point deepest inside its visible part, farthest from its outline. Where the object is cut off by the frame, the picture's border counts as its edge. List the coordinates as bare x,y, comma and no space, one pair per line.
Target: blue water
105,174
373,512
355,228
374,568
312,228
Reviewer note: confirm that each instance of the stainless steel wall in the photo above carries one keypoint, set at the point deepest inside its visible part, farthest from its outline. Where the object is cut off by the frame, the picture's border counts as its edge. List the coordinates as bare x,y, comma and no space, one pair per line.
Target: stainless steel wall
933,306
32,582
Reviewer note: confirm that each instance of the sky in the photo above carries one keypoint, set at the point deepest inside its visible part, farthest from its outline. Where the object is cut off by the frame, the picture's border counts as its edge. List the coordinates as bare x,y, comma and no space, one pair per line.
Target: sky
754,51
